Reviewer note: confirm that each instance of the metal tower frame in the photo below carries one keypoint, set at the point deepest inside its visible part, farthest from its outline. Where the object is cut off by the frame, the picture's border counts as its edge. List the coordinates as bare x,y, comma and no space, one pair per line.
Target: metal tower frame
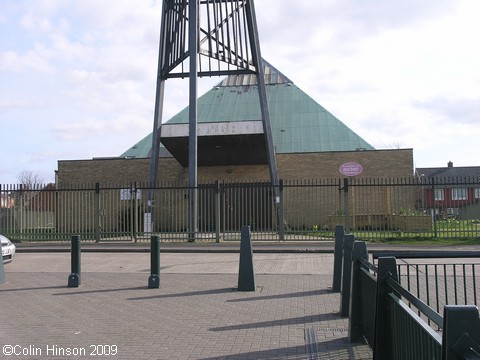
209,38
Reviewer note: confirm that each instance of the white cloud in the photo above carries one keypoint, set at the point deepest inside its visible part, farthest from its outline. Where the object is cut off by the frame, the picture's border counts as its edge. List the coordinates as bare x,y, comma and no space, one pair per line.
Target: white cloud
81,75
382,78
37,59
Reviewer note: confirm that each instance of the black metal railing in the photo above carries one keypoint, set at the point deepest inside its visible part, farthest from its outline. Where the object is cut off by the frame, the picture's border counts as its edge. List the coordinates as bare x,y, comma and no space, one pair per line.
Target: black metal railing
394,321
396,209
436,283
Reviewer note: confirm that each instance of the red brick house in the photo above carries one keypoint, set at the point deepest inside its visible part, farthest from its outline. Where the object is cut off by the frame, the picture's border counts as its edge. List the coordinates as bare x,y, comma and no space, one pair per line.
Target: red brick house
451,191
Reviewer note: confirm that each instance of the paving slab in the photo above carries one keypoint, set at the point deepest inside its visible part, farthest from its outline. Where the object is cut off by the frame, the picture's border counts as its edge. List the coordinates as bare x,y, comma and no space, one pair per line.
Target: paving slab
197,313
219,263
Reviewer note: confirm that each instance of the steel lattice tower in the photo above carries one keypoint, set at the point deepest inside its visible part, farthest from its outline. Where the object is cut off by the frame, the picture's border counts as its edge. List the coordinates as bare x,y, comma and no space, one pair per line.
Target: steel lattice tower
207,38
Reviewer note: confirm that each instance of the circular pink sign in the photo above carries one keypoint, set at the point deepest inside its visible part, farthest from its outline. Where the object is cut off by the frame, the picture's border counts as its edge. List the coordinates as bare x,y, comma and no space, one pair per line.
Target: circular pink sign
350,169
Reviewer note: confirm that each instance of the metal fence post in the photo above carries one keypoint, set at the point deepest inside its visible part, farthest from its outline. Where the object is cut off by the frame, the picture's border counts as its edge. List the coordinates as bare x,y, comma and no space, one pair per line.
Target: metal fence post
347,205
217,211
74,279
96,212
387,267
435,232
337,260
135,215
281,225
154,278
461,332
346,274
355,325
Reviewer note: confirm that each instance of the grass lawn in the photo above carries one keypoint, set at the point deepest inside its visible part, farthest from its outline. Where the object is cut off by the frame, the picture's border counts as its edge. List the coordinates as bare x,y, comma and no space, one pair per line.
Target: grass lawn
444,232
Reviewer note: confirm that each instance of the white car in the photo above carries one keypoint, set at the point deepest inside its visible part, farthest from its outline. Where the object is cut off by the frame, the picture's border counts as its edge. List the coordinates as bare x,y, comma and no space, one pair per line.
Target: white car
8,249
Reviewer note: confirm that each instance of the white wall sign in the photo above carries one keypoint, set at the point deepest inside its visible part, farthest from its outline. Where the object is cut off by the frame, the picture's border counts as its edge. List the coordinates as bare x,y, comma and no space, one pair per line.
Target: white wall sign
147,222
127,194
350,169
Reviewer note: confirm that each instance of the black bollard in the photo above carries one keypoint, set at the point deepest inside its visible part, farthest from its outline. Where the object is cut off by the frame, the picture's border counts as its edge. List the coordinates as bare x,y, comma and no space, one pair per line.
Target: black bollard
346,275
74,277
154,279
2,270
338,256
246,274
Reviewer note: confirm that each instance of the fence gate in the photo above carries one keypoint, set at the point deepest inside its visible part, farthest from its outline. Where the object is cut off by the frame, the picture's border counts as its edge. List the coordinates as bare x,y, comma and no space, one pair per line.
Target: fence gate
247,204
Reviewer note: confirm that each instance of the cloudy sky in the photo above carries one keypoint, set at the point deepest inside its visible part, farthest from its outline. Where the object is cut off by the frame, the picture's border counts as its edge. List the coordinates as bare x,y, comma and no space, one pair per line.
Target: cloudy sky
77,77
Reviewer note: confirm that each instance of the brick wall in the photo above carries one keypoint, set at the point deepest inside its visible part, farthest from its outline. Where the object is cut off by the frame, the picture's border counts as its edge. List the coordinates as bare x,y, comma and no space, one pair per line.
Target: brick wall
304,207
377,163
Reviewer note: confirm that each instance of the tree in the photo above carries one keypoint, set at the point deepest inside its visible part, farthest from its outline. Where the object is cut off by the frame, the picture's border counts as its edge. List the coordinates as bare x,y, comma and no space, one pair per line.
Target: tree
29,180
30,185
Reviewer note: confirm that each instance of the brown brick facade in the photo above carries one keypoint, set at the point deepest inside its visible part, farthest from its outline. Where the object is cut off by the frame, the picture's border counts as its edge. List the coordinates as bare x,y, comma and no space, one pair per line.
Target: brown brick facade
311,194
377,163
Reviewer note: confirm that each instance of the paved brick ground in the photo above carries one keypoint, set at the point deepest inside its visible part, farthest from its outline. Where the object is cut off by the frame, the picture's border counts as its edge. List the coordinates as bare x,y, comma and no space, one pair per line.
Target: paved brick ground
196,314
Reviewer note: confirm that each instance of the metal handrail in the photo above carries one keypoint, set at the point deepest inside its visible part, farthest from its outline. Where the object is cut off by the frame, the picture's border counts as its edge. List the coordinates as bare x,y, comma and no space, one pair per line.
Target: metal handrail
369,265
426,254
419,304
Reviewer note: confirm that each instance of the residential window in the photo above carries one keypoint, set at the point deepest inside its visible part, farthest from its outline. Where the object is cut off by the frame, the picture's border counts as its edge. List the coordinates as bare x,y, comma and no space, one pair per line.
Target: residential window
459,194
439,195
477,193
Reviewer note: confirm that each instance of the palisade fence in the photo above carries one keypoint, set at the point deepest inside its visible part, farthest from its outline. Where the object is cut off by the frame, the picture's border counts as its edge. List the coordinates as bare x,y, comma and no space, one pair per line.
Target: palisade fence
306,210
398,311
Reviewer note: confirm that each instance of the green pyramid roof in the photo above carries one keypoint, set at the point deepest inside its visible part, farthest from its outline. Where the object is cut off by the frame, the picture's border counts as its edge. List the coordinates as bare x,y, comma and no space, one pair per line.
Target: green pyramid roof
299,123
